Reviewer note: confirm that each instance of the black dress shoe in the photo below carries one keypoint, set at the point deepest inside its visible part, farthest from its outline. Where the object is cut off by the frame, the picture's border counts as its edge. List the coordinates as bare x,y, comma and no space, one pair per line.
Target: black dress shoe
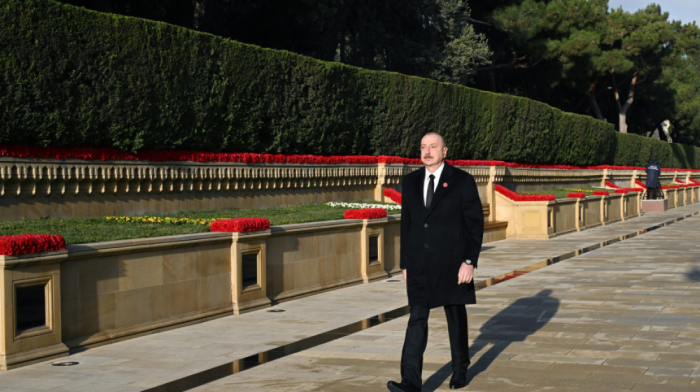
402,387
458,380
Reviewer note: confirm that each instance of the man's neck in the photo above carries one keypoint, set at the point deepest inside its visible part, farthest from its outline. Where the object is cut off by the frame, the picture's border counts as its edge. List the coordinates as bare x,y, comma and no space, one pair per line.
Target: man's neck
432,168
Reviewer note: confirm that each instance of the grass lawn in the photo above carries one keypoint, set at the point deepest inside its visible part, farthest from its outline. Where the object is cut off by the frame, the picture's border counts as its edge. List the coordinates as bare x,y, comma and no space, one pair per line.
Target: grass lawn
83,231
561,193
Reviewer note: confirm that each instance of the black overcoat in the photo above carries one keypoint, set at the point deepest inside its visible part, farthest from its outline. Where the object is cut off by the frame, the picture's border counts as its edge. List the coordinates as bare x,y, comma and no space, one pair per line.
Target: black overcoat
435,241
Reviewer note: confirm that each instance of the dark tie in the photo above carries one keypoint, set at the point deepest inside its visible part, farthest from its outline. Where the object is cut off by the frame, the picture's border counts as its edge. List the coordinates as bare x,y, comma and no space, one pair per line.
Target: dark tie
431,191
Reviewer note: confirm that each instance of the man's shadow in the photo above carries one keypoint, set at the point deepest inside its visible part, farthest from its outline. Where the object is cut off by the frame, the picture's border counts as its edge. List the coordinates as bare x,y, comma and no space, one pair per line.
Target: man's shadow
693,274
515,323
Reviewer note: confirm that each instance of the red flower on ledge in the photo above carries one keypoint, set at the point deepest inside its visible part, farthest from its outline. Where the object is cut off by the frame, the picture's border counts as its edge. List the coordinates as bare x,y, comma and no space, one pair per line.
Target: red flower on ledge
611,185
601,193
623,191
13,245
576,195
641,184
393,194
516,197
240,225
365,213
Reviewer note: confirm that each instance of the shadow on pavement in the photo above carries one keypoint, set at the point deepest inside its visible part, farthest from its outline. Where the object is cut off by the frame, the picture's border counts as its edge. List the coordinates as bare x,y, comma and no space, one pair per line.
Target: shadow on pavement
519,320
693,274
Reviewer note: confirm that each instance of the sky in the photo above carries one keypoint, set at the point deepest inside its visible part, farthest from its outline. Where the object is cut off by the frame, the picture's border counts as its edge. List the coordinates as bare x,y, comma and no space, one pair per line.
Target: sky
686,11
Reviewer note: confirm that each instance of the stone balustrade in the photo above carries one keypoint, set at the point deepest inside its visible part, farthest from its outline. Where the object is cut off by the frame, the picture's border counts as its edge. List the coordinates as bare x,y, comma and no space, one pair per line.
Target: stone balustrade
37,188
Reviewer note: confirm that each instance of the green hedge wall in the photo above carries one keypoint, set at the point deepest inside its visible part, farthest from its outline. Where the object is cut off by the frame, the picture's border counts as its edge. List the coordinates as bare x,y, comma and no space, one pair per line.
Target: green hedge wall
72,77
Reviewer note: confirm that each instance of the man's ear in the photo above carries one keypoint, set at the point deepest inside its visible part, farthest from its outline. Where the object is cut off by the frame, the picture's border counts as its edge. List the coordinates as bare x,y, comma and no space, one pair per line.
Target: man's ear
444,152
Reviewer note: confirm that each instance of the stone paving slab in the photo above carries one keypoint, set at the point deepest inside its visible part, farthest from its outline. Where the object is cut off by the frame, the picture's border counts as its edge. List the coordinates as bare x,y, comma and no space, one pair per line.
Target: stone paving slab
557,328
153,360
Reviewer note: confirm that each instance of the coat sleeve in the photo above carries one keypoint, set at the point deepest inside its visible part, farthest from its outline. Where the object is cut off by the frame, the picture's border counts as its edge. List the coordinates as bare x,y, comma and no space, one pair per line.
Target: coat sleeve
473,214
405,226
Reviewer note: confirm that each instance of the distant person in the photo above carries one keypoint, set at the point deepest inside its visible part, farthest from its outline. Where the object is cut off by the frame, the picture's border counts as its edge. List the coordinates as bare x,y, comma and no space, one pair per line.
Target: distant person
653,171
442,225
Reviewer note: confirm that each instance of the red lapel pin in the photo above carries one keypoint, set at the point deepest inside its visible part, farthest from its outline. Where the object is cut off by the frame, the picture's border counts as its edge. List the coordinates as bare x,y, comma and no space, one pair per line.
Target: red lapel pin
445,185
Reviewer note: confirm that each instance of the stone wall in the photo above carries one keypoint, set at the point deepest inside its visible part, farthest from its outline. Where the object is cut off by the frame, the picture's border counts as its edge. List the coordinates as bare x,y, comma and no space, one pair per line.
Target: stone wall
101,292
547,219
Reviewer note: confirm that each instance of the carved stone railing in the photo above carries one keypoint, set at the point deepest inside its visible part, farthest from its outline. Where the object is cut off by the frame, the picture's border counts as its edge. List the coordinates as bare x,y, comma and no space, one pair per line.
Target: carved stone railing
33,188
32,177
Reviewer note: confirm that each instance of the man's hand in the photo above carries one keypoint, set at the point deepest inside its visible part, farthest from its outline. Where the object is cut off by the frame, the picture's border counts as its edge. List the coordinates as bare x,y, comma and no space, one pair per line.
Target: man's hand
466,273
404,275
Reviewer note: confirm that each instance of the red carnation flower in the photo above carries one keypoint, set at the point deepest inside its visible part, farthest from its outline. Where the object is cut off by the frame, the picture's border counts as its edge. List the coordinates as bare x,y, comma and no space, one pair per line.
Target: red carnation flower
13,245
392,194
611,185
516,197
240,225
576,195
601,193
365,213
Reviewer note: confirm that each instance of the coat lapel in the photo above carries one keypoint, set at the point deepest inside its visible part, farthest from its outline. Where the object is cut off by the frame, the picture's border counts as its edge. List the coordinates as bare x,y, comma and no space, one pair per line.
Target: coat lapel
419,188
441,190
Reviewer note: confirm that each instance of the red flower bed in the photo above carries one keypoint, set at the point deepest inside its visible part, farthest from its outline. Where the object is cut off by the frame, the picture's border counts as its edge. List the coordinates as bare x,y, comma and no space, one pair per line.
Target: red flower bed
13,245
516,197
576,195
393,194
400,160
634,189
240,225
679,181
641,184
611,185
108,154
694,182
623,191
365,213
470,162
601,193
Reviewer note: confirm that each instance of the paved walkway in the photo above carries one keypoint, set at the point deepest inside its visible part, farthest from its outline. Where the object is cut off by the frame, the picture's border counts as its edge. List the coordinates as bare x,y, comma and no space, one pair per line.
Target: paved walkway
370,358
625,317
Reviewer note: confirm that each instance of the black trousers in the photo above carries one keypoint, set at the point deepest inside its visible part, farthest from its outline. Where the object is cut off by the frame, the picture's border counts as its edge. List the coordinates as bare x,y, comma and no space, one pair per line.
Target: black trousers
417,339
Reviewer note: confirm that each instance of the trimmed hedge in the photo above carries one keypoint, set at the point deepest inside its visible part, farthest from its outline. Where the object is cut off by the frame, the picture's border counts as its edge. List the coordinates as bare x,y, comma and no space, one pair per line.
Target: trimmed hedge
77,78
636,150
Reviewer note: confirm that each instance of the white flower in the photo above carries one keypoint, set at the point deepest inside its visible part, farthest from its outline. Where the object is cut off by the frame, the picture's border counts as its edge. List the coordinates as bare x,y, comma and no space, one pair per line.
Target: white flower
364,205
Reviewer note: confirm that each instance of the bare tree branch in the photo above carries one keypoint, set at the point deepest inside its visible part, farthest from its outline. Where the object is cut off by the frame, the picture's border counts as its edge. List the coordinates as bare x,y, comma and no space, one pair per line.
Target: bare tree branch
477,21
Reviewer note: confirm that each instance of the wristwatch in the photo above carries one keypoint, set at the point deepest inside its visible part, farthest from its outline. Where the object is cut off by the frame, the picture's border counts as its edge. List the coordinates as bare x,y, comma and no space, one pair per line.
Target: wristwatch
468,262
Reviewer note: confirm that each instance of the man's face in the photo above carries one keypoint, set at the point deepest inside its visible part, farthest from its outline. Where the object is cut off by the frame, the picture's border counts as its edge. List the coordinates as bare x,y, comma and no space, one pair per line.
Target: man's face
432,150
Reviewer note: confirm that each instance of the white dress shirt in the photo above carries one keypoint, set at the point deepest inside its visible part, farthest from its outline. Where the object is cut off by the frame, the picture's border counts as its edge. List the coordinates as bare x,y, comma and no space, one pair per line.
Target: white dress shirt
437,174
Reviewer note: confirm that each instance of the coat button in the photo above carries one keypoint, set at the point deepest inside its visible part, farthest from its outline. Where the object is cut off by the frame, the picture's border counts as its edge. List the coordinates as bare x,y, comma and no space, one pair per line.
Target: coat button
426,245
425,225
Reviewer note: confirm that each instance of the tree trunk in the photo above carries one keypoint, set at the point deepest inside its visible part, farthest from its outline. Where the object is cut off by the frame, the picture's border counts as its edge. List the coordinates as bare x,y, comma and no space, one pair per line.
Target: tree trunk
623,109
492,80
593,102
595,107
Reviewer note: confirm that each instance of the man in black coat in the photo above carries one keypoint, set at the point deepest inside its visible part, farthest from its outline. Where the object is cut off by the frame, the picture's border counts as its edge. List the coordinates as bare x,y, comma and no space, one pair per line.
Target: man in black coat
442,225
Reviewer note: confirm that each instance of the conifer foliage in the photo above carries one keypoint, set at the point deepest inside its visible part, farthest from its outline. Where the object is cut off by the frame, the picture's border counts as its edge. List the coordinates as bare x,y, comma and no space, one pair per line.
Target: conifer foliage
76,78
